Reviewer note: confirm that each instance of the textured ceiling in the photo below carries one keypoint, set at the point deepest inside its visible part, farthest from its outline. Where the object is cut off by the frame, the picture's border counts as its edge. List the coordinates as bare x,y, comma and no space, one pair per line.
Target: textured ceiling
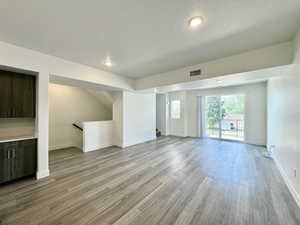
144,37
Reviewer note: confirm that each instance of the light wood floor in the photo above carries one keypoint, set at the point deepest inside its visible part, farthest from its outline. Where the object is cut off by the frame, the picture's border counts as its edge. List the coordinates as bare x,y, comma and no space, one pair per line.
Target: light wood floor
181,181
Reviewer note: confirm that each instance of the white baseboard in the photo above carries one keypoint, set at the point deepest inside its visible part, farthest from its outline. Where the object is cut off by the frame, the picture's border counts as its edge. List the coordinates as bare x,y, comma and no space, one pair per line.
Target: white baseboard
255,142
125,145
97,147
42,174
288,182
55,147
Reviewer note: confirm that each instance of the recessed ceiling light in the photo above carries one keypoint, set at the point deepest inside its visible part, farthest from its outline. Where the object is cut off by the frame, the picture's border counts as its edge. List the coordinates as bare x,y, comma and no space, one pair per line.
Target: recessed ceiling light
107,62
195,21
219,81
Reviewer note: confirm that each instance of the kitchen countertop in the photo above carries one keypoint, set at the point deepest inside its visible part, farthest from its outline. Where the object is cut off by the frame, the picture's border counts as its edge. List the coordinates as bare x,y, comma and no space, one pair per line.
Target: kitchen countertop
17,138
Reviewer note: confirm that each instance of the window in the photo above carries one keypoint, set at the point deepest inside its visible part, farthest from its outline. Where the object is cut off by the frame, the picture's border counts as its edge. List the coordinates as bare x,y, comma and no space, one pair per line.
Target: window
175,109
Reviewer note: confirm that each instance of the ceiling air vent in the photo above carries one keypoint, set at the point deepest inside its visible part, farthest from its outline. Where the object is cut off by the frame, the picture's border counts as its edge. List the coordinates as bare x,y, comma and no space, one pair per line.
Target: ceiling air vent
195,73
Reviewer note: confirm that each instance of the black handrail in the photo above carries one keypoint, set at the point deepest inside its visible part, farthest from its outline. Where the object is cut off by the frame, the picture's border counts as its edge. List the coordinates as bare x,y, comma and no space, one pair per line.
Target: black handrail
78,127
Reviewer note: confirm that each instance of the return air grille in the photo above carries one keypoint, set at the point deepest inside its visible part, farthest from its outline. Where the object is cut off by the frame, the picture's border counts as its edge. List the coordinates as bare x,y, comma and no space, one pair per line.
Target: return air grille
195,73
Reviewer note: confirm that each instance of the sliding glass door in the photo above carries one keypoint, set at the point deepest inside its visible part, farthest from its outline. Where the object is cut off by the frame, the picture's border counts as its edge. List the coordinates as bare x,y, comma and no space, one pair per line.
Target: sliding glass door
224,117
212,117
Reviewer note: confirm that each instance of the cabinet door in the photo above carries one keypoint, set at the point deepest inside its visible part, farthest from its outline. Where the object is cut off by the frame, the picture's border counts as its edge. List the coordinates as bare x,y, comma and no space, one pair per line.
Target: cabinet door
29,157
5,94
5,165
24,158
23,95
17,163
18,159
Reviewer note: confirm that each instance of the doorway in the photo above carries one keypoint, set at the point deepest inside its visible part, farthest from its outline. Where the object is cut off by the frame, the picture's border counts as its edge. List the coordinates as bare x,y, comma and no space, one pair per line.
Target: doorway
224,117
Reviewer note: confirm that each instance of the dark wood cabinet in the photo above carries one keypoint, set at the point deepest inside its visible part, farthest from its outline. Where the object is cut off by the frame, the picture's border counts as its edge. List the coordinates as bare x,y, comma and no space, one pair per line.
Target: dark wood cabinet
5,170
30,157
18,159
5,95
18,94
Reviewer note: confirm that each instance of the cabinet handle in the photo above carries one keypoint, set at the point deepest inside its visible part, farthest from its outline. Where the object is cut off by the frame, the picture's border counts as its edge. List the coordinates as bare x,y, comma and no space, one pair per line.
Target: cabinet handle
8,154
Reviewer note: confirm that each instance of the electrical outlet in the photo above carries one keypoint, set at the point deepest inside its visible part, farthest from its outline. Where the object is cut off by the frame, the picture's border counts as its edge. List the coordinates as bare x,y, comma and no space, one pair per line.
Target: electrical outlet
295,173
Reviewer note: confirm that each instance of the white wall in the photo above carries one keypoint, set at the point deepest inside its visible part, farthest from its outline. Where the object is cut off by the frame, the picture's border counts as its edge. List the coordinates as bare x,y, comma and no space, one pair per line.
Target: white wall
178,127
97,135
284,122
276,55
105,97
118,119
297,48
161,121
139,118
255,118
255,110
42,124
134,118
71,105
